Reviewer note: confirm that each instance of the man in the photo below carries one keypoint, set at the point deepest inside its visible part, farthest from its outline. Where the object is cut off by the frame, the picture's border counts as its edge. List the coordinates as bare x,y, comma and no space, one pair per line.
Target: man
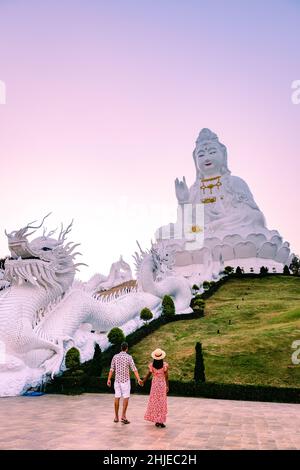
120,365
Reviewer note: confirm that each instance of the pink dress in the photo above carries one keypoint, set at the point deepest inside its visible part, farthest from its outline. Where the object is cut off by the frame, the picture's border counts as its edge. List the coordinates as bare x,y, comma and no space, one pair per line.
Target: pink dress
157,404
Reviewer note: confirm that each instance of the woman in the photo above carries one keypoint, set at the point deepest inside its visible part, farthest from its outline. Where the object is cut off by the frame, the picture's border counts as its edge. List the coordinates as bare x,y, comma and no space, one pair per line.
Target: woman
157,404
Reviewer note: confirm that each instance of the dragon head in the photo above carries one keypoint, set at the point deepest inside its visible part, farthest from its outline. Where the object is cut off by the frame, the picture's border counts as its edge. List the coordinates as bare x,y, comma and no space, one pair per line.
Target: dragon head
45,261
161,256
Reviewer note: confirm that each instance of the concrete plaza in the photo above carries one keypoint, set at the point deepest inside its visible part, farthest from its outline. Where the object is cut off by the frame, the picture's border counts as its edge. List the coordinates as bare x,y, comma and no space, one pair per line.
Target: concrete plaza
86,422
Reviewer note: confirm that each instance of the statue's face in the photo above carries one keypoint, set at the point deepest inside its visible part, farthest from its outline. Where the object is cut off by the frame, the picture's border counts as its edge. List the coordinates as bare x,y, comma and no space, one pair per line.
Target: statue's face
209,158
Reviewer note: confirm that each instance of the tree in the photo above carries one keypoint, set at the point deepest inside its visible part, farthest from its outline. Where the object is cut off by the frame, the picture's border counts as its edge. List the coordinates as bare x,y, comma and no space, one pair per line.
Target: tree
295,266
195,287
95,368
238,271
168,307
286,270
72,358
116,336
206,285
146,315
263,270
198,306
199,372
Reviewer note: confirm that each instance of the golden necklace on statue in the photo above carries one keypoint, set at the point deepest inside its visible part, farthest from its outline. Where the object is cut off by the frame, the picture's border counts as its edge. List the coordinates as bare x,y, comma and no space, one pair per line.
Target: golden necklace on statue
212,183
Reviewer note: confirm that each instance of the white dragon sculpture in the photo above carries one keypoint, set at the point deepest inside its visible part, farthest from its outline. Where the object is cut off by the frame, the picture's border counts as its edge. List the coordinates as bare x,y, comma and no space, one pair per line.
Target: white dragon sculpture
42,307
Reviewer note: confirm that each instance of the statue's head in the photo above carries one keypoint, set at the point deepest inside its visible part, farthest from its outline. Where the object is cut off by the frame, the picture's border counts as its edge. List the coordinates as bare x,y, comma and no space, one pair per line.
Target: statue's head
210,156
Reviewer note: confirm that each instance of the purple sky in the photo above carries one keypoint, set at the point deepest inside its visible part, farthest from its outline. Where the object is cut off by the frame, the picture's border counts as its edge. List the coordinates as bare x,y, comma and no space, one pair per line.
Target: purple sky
105,100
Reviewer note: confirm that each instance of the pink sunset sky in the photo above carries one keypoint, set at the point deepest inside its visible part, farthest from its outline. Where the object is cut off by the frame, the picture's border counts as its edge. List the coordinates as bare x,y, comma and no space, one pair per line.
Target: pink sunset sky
105,99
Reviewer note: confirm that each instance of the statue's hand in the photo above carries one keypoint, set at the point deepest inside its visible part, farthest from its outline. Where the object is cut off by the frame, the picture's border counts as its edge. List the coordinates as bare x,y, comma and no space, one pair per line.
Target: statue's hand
182,191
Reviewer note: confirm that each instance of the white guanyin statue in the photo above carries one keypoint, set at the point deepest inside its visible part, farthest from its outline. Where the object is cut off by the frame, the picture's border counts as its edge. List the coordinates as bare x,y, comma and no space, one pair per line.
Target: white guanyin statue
218,218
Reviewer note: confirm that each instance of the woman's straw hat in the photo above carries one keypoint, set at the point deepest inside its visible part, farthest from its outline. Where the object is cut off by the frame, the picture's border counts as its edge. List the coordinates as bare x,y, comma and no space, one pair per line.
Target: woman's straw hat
158,354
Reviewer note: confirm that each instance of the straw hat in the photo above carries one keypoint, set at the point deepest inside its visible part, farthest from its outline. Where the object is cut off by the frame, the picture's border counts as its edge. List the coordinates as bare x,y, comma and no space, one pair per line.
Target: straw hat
158,354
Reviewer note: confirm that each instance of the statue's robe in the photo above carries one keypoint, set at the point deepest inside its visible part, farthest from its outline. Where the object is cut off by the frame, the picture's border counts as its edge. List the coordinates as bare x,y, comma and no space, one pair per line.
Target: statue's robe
228,208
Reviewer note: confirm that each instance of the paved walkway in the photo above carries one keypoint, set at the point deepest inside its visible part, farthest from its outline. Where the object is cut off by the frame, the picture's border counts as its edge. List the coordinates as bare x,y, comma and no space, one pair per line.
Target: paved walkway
85,422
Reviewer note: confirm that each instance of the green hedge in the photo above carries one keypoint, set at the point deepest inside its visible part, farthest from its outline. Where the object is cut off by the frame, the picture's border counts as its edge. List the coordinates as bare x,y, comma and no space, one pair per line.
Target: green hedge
86,384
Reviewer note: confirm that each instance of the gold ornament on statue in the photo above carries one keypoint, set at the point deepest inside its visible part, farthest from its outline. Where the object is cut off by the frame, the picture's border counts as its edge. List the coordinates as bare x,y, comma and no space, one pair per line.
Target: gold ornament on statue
196,229
208,200
211,185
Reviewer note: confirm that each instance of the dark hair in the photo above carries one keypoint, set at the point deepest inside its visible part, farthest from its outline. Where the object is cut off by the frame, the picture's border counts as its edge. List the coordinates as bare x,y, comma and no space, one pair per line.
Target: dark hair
158,363
124,346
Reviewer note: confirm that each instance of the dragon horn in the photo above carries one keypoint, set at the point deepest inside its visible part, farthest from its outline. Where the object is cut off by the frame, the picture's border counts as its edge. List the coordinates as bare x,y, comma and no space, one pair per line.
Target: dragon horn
80,264
142,251
63,233
39,226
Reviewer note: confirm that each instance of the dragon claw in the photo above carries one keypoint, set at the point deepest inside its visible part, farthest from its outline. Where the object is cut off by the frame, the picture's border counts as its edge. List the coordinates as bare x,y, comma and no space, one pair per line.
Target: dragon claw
52,365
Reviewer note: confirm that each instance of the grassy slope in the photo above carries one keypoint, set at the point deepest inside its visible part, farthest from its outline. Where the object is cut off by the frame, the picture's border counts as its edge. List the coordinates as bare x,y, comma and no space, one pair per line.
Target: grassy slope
254,349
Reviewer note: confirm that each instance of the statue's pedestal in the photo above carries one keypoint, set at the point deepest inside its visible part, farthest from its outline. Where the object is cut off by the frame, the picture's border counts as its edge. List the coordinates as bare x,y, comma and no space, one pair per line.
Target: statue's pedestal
197,273
250,254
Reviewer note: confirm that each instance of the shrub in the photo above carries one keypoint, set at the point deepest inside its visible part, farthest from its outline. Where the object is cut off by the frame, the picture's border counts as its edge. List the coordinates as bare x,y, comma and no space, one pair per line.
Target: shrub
168,307
295,265
286,270
198,306
146,315
116,336
72,358
95,367
198,296
263,270
228,269
199,373
193,300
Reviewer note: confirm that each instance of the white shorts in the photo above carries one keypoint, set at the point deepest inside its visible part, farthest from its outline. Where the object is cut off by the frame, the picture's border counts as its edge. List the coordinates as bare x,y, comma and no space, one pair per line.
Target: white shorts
122,389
